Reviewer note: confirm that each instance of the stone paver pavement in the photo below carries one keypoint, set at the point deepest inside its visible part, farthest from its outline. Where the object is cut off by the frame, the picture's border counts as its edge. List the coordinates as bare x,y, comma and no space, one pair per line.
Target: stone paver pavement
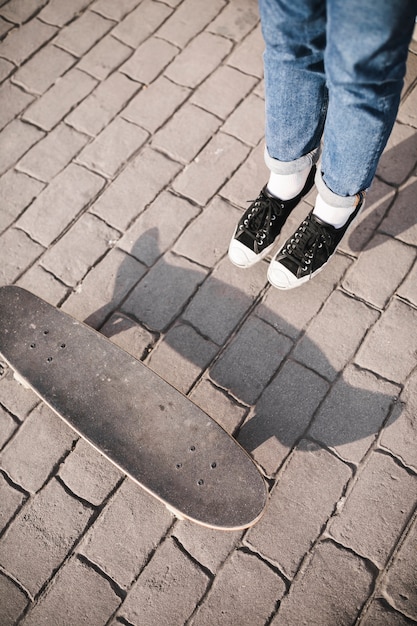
131,137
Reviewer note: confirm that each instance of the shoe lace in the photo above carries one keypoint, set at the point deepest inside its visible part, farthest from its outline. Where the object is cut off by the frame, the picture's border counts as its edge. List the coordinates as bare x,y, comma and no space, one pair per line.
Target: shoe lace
263,212
304,245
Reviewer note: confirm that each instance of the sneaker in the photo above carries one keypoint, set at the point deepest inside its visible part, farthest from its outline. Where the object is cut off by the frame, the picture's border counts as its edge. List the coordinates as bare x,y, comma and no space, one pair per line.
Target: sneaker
261,224
307,252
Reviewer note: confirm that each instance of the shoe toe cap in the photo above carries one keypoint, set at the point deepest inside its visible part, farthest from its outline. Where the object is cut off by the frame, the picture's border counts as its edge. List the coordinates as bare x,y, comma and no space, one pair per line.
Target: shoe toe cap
241,255
281,277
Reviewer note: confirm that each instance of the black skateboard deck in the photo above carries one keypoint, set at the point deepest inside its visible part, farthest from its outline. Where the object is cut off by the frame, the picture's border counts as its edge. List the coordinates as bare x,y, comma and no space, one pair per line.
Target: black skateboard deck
149,430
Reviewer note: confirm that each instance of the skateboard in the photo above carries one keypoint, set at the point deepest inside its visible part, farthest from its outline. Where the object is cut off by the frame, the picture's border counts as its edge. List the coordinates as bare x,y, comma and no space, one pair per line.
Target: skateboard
138,421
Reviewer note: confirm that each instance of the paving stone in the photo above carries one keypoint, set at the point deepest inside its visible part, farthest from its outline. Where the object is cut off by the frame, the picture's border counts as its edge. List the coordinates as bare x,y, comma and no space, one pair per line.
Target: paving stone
13,601
59,12
305,496
198,59
53,153
60,203
381,614
19,190
43,284
206,174
353,413
68,601
112,148
282,415
389,349
407,113
216,403
104,287
158,227
400,432
167,590
175,138
290,311
40,443
244,185
400,581
15,140
88,474
243,368
188,20
19,12
377,509
134,188
100,107
368,278
141,23
237,597
81,35
247,56
333,327
378,200
13,100
208,547
149,60
7,427
408,289
6,68
236,20
223,300
21,43
399,157
128,335
23,252
74,254
163,292
112,10
48,110
222,91
252,108
331,590
207,238
126,533
41,535
11,501
42,70
155,104
18,400
400,222
5,26
181,356
106,56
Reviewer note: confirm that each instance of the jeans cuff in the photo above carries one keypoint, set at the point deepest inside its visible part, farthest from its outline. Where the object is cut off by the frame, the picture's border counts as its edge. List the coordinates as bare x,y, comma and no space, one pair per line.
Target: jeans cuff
291,167
333,198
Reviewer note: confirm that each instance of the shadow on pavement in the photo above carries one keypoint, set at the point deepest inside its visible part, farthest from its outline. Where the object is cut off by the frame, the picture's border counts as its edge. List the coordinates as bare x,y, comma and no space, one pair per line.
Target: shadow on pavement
283,392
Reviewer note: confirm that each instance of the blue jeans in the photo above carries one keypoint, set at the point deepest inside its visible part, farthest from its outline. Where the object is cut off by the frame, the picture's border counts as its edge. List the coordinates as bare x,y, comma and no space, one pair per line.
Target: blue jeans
334,70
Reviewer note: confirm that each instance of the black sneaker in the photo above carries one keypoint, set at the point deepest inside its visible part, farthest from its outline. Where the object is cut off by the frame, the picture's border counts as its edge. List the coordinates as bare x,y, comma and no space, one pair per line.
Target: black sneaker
261,224
306,253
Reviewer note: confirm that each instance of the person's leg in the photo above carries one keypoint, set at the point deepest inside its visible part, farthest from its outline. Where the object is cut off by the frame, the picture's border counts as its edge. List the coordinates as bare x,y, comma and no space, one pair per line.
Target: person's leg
365,58
295,109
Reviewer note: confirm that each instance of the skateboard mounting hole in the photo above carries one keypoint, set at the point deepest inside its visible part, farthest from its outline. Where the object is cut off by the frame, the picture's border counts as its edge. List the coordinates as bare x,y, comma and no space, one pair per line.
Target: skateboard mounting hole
49,359
178,465
192,448
200,482
62,345
46,332
213,465
33,345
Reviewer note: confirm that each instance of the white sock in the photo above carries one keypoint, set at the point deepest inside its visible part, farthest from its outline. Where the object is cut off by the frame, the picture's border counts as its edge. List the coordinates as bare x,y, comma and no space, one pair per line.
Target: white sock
334,215
287,186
